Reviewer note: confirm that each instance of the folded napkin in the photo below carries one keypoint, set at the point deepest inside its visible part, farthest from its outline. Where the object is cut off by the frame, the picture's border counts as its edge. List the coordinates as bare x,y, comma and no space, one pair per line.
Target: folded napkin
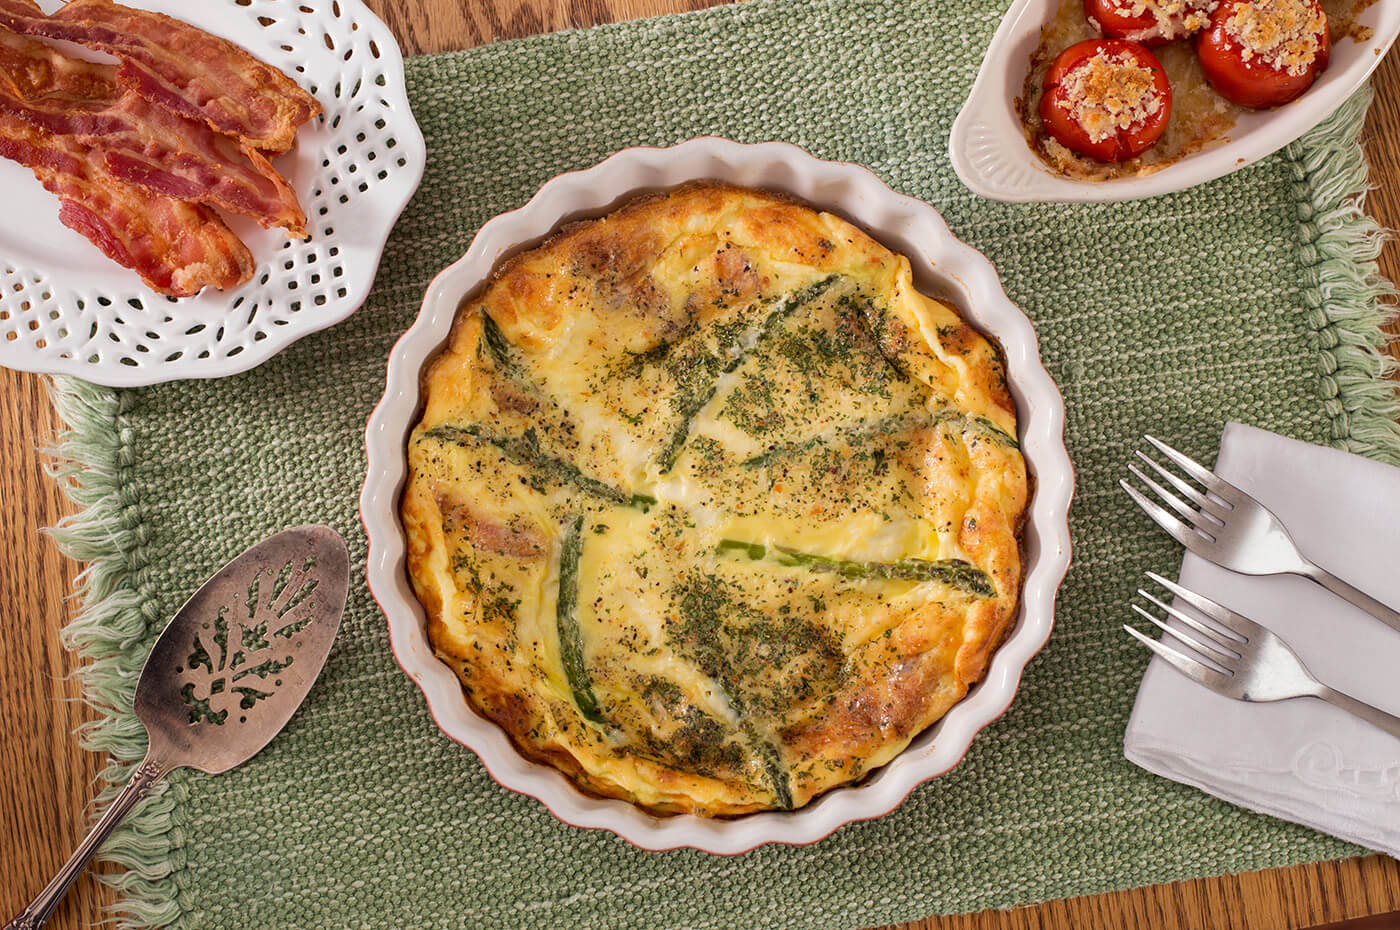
1301,760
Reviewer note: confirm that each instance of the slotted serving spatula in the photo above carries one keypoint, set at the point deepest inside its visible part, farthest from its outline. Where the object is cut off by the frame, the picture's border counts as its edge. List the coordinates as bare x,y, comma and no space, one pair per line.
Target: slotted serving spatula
227,674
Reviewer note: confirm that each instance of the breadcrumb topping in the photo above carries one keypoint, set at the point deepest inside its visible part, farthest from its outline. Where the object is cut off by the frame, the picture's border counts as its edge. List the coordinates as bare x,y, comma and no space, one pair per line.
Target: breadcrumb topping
1283,34
1108,92
1175,18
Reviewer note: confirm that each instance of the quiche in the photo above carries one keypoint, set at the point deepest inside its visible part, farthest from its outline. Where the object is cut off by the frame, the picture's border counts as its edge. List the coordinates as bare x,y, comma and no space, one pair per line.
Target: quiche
709,507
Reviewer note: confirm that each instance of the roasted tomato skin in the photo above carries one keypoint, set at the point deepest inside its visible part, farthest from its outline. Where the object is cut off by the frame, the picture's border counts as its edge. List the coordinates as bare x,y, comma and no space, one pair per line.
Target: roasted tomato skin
1116,23
1122,144
1252,83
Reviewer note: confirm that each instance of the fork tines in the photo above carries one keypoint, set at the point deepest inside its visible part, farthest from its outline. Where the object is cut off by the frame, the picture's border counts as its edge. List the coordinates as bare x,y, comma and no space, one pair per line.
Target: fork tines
1207,503
1211,652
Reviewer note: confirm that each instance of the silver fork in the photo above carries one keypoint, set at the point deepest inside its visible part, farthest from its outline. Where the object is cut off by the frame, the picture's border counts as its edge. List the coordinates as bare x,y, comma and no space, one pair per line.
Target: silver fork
1240,659
1232,529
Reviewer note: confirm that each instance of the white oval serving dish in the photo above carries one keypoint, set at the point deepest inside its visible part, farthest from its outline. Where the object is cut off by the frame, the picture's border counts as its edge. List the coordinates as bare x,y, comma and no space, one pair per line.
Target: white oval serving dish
988,145
66,309
942,265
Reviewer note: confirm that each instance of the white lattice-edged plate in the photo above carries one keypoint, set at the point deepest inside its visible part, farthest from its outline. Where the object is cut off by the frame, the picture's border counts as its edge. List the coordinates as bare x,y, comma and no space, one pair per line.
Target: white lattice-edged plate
942,265
66,309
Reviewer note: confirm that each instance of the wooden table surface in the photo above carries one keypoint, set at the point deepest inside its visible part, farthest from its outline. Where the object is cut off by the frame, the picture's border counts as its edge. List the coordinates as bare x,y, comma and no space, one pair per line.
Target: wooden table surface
46,781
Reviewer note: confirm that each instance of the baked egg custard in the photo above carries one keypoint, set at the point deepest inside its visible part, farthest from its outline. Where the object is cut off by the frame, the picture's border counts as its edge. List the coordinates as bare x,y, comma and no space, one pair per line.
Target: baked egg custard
709,508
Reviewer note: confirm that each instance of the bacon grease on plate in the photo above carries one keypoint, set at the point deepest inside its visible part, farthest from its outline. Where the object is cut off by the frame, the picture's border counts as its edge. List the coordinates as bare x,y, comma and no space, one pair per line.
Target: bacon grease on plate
139,152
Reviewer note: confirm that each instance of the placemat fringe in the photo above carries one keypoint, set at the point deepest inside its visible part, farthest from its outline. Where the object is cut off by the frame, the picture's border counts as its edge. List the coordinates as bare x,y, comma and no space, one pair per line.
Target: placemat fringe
1348,301
111,634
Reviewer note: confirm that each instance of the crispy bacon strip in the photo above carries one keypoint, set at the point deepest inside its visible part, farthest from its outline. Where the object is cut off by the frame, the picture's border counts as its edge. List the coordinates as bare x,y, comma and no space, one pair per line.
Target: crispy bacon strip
177,248
142,144
180,68
31,68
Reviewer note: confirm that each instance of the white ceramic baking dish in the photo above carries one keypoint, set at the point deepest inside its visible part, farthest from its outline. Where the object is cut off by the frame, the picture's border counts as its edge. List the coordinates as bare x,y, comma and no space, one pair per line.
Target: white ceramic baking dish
988,146
942,265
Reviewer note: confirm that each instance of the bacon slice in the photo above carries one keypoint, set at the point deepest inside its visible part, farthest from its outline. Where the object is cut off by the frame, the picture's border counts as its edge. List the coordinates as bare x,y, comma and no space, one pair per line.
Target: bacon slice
181,68
177,248
33,68
142,144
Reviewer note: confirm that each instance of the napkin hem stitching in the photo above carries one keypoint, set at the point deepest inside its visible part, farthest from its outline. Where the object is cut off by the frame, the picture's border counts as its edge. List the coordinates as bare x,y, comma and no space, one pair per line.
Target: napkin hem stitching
1186,769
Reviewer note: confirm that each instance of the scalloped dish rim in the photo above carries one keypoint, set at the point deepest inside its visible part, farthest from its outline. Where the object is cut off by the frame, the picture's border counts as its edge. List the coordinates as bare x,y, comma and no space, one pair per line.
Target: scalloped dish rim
953,269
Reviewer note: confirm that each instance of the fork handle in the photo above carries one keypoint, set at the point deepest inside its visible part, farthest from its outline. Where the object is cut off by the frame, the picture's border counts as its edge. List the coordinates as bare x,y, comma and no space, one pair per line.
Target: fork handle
137,787
1372,715
1366,602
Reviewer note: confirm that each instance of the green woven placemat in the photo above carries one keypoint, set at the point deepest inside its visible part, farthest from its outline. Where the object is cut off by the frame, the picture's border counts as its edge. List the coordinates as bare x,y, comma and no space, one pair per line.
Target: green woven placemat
1250,298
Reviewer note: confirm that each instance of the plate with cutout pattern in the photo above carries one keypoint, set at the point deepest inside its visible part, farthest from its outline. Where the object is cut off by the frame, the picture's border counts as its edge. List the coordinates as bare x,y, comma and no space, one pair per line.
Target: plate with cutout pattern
66,309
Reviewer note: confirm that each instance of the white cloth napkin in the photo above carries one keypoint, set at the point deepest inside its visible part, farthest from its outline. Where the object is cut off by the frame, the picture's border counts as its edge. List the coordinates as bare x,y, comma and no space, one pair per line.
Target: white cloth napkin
1300,760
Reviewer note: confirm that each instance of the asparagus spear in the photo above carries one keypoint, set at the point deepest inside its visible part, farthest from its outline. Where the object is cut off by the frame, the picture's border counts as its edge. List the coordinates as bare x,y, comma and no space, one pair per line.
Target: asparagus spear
525,450
499,347
955,572
864,432
566,617
772,767
732,355
975,422
855,435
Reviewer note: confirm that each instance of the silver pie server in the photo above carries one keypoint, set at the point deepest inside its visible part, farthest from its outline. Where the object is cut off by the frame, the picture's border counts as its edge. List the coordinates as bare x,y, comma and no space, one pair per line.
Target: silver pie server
227,673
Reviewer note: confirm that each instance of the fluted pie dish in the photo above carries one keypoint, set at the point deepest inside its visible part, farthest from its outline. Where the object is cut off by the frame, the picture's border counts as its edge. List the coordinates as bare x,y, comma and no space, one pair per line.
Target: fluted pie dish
710,508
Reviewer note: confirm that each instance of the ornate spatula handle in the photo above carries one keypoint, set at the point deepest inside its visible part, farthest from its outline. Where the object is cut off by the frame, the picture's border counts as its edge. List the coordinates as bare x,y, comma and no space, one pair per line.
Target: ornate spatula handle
137,787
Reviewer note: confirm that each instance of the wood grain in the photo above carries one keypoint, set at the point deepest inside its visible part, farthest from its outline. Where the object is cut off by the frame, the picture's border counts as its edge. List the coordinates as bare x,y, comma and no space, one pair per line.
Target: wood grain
46,781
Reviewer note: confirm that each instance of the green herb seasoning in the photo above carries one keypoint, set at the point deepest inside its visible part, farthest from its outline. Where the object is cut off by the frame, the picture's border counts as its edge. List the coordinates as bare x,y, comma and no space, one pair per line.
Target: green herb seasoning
525,451
699,378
